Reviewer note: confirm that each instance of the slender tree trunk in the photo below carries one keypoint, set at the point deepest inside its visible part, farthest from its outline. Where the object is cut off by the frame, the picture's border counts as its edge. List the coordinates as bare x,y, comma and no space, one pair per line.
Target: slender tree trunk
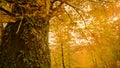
62,53
69,60
56,64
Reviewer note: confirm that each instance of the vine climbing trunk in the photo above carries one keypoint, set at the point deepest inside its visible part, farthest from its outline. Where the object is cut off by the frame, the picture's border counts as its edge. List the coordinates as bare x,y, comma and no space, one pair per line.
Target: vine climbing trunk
29,47
25,43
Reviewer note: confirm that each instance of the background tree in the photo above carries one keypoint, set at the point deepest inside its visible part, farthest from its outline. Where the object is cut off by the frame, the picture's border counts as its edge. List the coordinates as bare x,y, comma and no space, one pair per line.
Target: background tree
89,32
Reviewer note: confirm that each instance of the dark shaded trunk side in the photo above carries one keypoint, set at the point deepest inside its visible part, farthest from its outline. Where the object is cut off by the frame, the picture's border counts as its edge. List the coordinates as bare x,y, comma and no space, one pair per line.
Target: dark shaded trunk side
29,47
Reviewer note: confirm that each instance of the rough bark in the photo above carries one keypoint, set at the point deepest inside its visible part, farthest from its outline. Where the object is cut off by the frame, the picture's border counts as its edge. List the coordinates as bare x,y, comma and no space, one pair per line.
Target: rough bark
25,45
27,49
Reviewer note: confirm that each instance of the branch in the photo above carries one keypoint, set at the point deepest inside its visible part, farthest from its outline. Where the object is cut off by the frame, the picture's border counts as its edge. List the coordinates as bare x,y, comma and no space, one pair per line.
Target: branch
70,4
7,12
81,17
68,15
54,10
18,29
100,1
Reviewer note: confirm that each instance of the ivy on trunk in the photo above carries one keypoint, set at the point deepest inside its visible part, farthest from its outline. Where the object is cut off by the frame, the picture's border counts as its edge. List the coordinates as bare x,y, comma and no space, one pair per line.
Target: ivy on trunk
25,42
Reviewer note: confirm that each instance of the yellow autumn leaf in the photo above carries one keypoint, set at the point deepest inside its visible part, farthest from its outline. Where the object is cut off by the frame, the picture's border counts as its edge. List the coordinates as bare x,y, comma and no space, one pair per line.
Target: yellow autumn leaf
47,6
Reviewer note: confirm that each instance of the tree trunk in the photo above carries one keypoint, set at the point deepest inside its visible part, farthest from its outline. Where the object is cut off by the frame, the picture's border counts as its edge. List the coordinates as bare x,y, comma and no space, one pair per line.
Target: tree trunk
62,53
27,46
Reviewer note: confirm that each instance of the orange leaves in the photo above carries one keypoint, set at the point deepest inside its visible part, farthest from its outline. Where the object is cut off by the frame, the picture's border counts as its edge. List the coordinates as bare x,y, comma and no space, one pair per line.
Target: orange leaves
47,2
27,7
12,19
5,19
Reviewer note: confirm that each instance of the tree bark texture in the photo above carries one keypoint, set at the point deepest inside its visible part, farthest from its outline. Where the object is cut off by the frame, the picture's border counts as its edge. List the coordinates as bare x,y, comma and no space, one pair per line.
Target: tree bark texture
29,47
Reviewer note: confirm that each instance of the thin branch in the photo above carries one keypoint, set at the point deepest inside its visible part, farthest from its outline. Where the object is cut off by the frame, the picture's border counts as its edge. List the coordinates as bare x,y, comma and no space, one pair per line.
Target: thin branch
86,27
68,15
19,25
7,12
70,4
75,8
57,6
99,1
82,18
55,9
